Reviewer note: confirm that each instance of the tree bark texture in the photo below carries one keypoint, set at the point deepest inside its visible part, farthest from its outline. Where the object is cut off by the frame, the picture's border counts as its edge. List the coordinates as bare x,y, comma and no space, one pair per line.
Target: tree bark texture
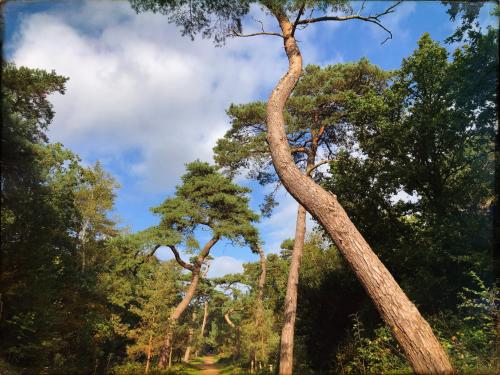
181,307
288,330
409,328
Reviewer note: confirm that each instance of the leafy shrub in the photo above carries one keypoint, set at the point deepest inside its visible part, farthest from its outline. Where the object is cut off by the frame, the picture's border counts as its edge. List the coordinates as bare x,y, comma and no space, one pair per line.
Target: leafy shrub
372,355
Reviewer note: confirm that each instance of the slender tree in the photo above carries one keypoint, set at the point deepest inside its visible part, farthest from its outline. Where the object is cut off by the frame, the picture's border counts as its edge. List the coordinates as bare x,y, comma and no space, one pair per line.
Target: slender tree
206,199
218,19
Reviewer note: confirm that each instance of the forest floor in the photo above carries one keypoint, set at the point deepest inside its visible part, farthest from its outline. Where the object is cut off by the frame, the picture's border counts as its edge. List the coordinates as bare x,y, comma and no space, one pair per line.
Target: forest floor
209,367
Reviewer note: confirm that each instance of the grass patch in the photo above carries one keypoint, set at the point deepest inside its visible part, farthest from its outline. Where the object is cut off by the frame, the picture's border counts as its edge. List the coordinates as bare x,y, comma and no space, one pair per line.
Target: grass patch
228,367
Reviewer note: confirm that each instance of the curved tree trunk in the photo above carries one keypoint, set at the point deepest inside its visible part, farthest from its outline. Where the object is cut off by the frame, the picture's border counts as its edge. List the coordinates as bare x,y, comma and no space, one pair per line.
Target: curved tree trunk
228,319
410,329
187,353
174,317
288,330
181,307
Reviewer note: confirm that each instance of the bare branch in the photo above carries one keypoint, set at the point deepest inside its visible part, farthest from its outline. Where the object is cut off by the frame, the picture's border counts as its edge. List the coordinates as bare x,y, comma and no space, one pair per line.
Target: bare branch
362,7
301,11
311,169
206,250
373,19
237,34
150,255
177,256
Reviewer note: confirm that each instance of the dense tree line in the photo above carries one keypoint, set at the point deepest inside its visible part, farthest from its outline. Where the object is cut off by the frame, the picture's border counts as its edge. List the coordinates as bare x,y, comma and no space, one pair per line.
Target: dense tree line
408,153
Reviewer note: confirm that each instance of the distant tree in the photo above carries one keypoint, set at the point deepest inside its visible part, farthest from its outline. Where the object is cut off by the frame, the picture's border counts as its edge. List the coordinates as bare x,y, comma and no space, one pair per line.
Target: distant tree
159,292
94,198
44,300
209,200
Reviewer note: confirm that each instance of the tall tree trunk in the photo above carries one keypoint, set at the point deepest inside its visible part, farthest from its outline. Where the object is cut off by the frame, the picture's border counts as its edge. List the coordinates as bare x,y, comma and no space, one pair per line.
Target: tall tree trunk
410,329
236,330
228,319
288,330
259,318
203,325
148,358
82,236
262,280
170,353
291,298
187,353
181,307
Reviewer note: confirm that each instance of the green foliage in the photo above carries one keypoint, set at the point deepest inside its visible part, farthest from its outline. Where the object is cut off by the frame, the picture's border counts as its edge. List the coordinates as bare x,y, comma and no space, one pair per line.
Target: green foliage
429,135
469,337
471,340
206,198
159,292
316,122
46,197
365,355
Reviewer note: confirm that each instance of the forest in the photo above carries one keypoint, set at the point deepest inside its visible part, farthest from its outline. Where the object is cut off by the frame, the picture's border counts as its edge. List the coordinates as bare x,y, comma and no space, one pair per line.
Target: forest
396,167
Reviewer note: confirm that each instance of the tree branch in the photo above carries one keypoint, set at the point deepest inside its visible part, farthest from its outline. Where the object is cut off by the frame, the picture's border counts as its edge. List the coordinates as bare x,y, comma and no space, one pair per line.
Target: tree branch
301,11
373,19
228,320
206,250
309,170
238,34
296,150
177,256
156,247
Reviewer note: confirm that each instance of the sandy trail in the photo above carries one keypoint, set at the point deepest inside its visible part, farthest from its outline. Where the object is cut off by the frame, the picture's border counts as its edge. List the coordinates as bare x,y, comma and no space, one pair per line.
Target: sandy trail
208,367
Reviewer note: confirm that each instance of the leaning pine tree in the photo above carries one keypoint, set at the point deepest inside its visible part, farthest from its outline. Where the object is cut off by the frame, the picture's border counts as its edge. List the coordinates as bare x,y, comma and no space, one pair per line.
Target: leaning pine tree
223,18
316,126
206,199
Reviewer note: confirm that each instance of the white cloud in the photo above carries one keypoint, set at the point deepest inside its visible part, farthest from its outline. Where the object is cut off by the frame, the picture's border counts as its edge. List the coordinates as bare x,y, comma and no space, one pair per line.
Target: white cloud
223,265
135,83
146,100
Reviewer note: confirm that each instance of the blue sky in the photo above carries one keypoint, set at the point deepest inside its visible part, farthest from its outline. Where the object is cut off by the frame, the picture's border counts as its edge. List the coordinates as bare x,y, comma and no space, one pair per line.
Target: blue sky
144,100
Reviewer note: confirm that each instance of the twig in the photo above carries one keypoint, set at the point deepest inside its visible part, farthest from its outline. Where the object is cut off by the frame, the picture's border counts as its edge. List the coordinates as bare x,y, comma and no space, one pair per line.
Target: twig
373,19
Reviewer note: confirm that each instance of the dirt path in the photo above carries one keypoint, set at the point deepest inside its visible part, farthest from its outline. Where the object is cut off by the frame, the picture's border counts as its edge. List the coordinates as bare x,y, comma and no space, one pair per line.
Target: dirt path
208,367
